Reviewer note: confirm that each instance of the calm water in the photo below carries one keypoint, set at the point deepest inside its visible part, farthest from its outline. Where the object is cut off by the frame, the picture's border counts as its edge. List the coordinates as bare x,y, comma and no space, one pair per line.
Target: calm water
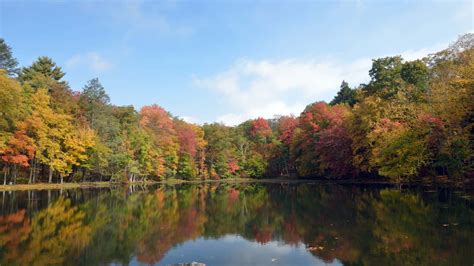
247,224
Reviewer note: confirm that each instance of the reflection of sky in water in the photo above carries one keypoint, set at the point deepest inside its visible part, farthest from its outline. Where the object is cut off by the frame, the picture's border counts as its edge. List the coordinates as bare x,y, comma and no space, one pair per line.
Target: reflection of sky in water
235,250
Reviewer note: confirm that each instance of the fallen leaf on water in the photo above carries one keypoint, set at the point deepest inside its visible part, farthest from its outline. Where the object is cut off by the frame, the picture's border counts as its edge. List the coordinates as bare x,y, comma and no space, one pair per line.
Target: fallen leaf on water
315,248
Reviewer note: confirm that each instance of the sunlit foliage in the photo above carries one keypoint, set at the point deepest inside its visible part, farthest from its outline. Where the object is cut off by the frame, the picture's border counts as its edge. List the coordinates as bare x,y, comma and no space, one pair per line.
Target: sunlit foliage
412,119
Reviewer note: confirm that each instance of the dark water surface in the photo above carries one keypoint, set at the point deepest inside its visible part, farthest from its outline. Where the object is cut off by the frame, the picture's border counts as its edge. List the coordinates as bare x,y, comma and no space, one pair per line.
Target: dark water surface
238,224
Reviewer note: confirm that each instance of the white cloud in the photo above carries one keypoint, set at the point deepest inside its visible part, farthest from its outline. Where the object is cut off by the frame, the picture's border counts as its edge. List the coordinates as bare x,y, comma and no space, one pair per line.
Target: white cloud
420,53
94,61
191,119
266,88
149,17
269,110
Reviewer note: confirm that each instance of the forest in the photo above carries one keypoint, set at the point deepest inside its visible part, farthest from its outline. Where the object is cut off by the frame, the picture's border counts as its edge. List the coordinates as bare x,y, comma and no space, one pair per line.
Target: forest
413,119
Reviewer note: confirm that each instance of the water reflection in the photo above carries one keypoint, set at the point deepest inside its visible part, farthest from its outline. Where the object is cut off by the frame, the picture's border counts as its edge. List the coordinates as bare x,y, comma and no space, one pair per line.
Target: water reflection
235,250
260,224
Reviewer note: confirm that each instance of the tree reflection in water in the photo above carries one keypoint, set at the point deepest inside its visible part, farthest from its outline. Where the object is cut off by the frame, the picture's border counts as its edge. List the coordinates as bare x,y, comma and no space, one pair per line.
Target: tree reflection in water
348,224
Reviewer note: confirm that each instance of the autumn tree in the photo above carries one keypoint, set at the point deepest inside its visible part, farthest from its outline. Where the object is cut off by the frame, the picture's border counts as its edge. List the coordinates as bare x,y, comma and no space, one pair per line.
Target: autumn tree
398,152
221,154
59,144
191,152
260,130
45,74
11,104
450,99
18,151
334,145
258,136
322,132
159,124
15,148
281,163
412,118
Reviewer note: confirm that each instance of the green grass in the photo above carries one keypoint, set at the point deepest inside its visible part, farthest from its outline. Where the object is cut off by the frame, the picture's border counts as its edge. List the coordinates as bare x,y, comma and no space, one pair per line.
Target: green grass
170,181
177,181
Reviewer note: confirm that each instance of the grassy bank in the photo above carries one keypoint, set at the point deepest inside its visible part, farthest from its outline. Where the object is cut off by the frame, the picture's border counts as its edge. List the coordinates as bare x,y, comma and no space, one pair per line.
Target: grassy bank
176,181
47,186
171,181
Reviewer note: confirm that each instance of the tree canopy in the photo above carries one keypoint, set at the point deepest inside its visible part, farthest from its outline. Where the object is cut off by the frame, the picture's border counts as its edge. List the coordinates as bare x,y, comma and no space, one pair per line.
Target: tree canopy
412,119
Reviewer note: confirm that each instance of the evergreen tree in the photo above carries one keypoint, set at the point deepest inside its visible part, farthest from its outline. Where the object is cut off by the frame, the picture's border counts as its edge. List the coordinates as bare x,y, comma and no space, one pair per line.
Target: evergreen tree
44,66
345,95
7,61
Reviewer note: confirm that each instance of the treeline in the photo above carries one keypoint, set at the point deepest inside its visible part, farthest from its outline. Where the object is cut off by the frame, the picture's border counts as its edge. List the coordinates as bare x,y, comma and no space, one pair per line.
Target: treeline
414,118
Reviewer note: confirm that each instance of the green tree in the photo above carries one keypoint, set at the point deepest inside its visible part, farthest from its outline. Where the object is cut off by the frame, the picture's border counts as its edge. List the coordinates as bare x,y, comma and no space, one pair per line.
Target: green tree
44,66
7,61
44,74
416,73
93,101
221,154
345,95
385,77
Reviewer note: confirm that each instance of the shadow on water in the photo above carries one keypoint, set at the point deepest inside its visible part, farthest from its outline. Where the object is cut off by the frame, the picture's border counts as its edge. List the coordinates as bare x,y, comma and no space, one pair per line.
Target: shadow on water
238,224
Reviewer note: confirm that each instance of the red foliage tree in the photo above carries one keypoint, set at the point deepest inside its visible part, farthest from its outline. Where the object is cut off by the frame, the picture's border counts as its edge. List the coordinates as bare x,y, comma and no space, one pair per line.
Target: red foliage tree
20,149
325,141
188,138
287,126
157,120
233,166
260,129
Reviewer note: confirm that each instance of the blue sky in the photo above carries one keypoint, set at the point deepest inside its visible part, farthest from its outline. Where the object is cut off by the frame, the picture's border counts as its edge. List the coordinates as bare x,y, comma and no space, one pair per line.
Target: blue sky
226,60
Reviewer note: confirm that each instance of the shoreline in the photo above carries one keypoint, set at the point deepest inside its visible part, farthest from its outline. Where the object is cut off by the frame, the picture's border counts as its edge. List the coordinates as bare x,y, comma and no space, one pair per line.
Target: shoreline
173,181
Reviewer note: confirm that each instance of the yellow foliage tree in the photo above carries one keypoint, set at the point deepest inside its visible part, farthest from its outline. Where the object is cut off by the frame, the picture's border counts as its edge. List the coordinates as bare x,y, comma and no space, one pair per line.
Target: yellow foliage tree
60,144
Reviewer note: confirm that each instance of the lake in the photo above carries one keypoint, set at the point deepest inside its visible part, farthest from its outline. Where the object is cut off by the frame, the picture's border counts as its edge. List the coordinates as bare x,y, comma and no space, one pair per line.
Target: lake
238,224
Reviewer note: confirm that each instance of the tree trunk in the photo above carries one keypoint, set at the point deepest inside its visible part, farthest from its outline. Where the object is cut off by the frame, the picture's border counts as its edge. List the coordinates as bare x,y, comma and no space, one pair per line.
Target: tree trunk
73,175
50,179
83,174
43,170
31,175
34,170
61,179
15,173
29,201
5,176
